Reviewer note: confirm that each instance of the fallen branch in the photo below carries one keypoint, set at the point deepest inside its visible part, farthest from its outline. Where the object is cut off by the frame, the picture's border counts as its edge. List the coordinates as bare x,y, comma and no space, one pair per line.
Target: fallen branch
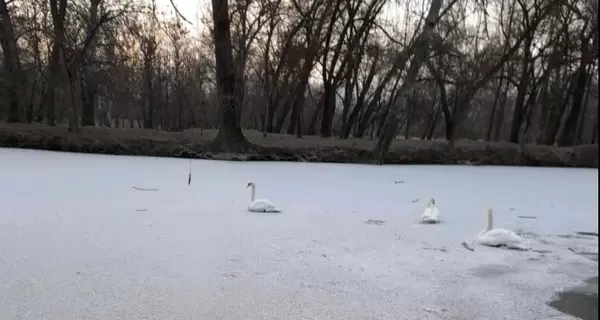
586,233
190,174
141,210
466,246
143,189
527,217
375,222
435,249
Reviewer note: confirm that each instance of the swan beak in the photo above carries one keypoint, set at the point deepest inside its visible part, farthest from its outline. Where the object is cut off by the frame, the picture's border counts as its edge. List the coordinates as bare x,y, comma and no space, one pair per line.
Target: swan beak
249,184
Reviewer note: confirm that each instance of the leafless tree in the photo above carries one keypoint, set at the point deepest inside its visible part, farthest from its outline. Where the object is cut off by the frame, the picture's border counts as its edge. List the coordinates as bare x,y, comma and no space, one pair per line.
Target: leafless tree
524,71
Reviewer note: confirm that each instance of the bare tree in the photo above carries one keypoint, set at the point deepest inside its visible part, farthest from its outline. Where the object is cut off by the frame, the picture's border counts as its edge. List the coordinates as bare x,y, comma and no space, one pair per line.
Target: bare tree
524,71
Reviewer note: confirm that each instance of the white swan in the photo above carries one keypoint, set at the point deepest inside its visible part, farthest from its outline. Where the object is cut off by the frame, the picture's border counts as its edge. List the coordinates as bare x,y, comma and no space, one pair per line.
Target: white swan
431,213
499,237
260,205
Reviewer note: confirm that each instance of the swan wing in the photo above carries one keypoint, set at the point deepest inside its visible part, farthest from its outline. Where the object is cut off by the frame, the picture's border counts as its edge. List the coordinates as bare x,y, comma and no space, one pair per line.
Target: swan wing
262,205
502,237
431,214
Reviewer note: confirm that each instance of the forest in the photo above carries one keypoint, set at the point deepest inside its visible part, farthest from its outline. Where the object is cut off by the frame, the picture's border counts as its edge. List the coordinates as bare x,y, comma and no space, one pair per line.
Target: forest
521,72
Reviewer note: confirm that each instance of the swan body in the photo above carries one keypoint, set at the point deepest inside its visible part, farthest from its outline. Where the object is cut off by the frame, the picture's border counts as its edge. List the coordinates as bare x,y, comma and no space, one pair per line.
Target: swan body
260,205
500,237
431,213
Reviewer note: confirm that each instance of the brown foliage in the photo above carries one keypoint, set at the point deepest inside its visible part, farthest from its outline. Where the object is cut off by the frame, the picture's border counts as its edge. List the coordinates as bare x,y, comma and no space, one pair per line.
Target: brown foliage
279,147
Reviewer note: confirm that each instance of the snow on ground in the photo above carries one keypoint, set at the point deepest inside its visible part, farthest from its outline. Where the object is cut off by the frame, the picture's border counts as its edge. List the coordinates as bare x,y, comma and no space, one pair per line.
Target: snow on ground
73,244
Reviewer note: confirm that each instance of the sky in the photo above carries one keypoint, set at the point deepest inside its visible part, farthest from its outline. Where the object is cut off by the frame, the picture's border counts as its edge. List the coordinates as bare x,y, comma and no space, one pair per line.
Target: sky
190,9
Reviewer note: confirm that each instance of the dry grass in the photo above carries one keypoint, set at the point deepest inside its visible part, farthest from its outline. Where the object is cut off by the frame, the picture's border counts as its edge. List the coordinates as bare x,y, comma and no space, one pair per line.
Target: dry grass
190,143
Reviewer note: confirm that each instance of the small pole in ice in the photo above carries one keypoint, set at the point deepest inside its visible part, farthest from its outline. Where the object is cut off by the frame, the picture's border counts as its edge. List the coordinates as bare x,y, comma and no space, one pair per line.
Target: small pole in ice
190,174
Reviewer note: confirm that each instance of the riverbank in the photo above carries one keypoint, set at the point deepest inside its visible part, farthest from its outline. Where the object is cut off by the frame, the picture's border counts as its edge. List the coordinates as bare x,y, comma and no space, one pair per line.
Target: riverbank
279,147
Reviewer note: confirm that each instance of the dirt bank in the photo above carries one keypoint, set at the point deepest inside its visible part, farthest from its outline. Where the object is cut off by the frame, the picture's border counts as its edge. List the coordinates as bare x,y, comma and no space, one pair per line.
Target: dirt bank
190,143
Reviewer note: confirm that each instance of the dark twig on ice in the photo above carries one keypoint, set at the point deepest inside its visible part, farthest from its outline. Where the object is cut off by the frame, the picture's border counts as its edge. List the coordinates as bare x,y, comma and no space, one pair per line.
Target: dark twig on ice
190,174
527,217
141,210
143,189
466,246
587,233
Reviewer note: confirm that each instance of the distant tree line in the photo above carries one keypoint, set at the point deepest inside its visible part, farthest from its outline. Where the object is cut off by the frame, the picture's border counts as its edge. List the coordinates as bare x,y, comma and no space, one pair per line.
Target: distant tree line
523,71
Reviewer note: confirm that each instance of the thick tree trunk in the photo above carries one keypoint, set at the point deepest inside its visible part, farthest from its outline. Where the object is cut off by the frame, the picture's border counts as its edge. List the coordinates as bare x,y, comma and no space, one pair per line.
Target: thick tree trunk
329,102
88,117
230,137
58,78
12,66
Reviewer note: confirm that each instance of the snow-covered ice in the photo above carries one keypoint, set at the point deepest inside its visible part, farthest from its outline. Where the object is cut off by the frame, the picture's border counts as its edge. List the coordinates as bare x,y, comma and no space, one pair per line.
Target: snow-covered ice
75,245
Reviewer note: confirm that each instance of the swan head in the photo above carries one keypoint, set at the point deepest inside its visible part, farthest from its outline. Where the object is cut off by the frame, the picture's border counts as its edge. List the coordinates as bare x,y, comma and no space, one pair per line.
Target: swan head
490,214
431,202
250,184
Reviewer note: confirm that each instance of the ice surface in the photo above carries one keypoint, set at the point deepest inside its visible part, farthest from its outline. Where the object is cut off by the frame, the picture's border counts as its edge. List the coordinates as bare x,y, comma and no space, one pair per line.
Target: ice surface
73,244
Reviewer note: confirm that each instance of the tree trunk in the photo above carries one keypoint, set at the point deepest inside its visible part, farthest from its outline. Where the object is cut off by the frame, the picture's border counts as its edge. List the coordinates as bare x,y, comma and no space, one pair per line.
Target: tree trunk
360,101
12,65
312,126
282,115
348,93
89,89
59,79
434,122
230,137
490,127
373,106
594,139
584,111
148,111
519,108
577,96
392,122
329,101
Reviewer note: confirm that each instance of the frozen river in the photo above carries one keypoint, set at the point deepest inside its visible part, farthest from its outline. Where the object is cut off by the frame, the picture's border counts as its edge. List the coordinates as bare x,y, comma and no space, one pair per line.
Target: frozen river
78,242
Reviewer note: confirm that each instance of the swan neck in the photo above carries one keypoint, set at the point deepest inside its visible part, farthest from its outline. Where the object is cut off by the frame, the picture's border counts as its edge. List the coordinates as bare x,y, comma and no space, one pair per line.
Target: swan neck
490,221
253,194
